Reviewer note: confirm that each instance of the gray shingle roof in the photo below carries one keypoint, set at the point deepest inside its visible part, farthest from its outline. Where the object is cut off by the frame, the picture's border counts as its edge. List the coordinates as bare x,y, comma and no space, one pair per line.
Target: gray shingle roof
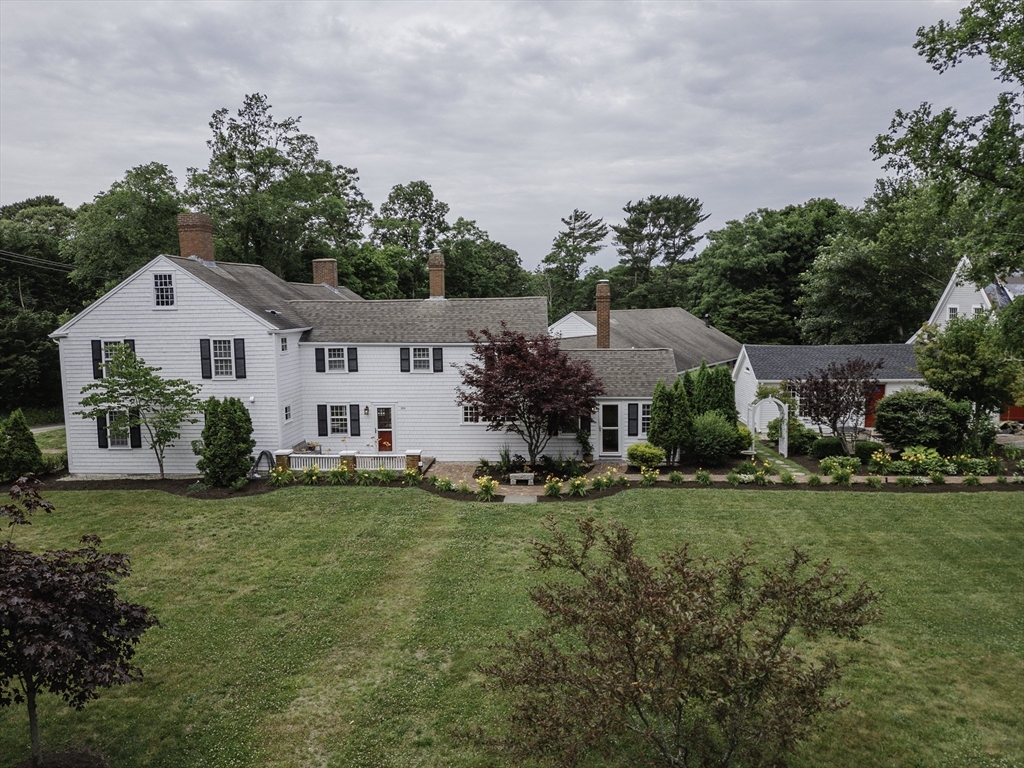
686,335
773,362
629,372
259,290
430,321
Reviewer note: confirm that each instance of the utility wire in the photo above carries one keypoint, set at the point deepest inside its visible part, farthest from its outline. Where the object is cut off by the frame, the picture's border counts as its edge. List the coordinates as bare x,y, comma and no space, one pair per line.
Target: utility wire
50,266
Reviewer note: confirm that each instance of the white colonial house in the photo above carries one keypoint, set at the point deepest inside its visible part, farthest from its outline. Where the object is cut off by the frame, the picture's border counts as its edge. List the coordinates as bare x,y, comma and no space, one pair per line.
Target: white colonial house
773,364
315,363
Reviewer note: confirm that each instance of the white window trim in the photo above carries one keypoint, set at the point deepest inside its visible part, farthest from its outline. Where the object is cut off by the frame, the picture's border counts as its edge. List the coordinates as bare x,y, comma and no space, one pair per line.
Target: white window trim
976,310
287,413
952,311
429,368
156,292
343,359
470,423
230,358
111,345
284,345
330,421
645,429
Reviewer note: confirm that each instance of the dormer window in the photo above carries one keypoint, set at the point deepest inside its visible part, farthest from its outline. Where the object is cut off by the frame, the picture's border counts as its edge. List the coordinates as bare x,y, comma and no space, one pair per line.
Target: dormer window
163,290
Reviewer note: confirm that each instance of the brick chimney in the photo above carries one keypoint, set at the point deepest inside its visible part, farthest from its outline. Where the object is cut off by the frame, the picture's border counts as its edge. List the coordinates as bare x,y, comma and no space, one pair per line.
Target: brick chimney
325,271
195,235
604,315
436,266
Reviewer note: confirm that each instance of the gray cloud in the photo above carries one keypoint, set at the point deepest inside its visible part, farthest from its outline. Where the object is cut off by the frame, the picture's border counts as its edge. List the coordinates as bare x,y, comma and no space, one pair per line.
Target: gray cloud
516,113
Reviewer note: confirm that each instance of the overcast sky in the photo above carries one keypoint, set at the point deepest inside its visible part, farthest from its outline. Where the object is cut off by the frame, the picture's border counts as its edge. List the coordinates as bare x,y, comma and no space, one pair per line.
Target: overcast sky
515,113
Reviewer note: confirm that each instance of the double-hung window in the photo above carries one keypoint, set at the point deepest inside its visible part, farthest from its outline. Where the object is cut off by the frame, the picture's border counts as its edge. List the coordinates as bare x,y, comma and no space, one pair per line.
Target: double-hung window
222,362
163,290
335,358
339,419
109,347
645,418
471,414
115,440
421,358
953,312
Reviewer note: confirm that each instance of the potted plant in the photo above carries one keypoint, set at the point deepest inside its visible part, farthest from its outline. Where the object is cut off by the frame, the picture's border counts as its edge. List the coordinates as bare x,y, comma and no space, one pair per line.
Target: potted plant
583,438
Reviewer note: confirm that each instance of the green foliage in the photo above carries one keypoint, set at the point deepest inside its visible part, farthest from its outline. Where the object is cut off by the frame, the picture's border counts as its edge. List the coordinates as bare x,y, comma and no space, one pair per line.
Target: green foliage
786,477
412,476
279,477
702,477
874,481
827,446
842,476
714,437
19,454
923,417
54,462
273,200
751,273
648,476
239,484
866,449
578,486
937,478
924,460
29,360
225,450
744,438
734,478
442,484
970,480
837,395
966,360
339,475
662,431
310,475
488,488
800,437
478,267
676,478
553,486
657,228
582,237
814,480
365,477
645,455
463,487
386,476
832,464
125,227
907,481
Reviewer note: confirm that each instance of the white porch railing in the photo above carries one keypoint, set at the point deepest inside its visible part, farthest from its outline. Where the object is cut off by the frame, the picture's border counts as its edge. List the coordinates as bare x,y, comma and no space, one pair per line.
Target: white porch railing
301,461
328,461
375,461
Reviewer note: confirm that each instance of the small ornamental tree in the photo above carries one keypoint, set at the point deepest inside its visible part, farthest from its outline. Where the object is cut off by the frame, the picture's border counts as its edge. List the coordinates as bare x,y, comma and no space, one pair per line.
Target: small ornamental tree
837,396
225,449
690,662
526,386
662,430
131,395
63,628
19,453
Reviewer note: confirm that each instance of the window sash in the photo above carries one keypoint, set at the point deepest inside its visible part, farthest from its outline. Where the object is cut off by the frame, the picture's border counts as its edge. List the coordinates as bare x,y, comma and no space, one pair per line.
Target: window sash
645,417
335,358
223,359
421,358
339,419
163,290
471,414
115,440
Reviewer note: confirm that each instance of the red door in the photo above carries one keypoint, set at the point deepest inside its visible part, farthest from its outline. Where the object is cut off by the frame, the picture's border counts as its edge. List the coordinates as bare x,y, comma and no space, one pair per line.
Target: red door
384,433
869,415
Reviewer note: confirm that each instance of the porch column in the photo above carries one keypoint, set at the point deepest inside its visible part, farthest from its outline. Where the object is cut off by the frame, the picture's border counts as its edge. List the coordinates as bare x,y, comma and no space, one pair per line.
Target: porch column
283,458
348,460
412,459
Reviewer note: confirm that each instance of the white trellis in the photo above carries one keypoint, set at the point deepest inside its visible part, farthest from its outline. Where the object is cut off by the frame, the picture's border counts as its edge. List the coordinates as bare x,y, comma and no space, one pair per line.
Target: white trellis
753,421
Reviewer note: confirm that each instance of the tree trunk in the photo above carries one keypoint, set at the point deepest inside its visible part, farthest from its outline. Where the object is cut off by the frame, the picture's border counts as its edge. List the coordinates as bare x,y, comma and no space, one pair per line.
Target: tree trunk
160,463
33,722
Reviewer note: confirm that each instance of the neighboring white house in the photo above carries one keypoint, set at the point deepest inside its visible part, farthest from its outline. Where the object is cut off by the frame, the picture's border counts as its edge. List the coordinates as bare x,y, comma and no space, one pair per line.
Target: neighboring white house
772,364
962,298
316,363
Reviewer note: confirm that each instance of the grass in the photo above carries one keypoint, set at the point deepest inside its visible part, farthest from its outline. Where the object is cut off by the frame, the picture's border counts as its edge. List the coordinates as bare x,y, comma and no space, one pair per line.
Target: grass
343,626
53,440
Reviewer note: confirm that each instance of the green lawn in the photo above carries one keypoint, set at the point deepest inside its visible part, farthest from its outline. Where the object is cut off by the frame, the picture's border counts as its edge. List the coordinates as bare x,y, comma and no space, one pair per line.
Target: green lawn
54,439
343,626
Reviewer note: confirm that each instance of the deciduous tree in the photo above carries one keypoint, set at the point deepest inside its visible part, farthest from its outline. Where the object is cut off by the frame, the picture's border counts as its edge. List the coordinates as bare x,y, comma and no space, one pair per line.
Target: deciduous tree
838,395
657,228
526,386
690,662
141,399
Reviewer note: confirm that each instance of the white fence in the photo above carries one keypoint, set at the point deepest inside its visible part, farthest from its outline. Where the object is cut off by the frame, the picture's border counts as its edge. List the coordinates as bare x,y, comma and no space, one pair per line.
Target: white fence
328,461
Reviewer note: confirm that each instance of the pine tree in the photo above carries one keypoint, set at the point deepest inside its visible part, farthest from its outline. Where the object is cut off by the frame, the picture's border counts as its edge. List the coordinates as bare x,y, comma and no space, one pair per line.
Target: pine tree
19,454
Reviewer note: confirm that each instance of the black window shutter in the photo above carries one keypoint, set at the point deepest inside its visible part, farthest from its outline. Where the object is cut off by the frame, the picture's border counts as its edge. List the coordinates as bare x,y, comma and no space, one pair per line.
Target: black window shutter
130,343
205,359
101,430
321,363
438,359
353,420
239,358
585,424
135,431
97,362
321,420
404,352
353,359
634,420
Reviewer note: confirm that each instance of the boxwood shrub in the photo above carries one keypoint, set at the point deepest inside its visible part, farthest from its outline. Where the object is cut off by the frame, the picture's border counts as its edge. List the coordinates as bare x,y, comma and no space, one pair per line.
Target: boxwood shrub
824,447
645,455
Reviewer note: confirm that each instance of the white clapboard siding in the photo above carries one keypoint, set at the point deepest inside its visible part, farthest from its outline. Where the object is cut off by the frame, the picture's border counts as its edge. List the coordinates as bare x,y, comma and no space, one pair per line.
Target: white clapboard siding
572,326
168,339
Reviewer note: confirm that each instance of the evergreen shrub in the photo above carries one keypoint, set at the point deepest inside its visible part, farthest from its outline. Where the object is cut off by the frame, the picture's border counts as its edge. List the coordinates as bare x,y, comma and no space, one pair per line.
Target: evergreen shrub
645,455
714,437
824,447
19,454
923,417
865,450
225,450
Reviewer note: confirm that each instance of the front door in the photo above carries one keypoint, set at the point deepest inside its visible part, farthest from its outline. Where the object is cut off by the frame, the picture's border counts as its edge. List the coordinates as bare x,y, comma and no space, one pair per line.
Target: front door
609,429
384,434
869,416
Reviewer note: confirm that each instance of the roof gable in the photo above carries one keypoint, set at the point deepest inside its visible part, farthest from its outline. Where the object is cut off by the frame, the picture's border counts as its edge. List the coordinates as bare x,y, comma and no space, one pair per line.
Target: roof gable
629,372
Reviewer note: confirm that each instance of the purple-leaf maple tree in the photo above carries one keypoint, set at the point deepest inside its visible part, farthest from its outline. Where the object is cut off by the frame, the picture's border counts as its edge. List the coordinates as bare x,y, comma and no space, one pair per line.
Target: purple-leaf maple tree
63,628
839,394
527,386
